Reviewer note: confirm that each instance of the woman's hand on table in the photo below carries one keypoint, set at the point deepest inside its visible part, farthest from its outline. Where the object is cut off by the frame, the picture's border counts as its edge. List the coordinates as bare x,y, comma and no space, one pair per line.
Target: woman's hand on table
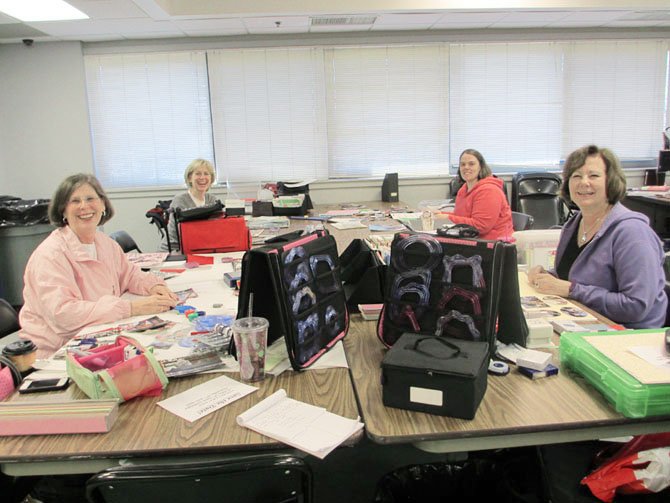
546,283
151,304
163,291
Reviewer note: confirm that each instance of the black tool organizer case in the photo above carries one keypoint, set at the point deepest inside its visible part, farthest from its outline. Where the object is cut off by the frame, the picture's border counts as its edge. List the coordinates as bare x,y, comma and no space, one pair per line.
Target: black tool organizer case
437,375
296,286
446,286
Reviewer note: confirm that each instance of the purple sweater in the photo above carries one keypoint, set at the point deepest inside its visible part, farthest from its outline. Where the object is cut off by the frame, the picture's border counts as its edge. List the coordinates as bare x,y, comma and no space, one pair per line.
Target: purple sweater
619,274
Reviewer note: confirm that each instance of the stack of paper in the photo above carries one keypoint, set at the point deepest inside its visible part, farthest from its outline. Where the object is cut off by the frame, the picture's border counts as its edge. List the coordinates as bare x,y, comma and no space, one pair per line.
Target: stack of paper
306,427
370,311
45,418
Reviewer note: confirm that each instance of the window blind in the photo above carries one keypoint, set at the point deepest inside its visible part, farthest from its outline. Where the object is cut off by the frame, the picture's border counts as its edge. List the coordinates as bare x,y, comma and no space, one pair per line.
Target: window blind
615,96
268,114
505,100
149,116
387,110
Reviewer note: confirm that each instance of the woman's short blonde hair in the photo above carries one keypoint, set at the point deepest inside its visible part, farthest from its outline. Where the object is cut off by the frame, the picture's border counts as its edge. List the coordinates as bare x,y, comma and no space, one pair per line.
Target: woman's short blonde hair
62,196
199,163
616,179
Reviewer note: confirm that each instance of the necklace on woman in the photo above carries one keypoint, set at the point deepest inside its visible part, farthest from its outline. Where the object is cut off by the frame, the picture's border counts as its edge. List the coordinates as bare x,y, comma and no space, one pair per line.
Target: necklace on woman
588,231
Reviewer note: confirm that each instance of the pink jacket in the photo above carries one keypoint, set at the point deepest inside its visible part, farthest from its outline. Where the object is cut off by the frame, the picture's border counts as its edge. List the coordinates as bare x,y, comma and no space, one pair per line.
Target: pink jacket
66,290
485,207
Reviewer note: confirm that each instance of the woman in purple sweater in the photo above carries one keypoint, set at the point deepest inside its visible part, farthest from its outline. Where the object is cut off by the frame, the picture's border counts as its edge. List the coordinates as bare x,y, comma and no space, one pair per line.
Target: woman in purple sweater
608,257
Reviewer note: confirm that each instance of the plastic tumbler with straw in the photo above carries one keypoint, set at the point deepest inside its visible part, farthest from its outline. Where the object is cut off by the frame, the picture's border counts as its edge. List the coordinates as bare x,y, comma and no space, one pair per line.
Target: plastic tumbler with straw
251,335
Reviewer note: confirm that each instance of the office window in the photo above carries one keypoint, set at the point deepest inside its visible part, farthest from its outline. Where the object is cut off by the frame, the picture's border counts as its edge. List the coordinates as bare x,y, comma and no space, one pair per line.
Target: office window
149,116
387,110
268,114
505,100
615,94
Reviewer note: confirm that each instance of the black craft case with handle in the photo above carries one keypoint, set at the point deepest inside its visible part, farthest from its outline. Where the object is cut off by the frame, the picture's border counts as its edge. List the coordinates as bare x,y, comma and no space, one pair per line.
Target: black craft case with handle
311,321
449,286
436,375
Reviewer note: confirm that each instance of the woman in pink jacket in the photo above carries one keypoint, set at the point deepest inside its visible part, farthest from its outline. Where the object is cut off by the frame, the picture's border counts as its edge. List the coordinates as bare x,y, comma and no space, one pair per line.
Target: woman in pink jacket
481,202
76,276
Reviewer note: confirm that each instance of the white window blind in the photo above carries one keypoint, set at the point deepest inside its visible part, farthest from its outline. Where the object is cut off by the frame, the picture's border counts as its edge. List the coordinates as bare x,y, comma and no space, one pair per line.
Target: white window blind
267,112
149,116
615,96
505,101
387,110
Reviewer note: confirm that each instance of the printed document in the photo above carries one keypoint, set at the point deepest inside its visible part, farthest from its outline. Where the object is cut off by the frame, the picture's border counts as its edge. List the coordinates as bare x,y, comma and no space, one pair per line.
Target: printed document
205,398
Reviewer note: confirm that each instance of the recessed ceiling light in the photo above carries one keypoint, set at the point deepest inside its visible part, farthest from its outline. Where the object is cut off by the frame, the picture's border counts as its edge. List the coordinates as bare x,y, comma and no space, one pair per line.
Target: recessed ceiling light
40,10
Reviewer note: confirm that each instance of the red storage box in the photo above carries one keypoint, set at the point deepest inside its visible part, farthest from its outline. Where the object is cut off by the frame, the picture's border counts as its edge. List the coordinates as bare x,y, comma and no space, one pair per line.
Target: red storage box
216,235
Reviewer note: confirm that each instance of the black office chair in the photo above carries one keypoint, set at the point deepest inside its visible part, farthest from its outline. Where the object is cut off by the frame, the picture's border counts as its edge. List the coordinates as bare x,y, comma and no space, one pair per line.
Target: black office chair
521,221
455,185
9,319
125,241
271,478
539,194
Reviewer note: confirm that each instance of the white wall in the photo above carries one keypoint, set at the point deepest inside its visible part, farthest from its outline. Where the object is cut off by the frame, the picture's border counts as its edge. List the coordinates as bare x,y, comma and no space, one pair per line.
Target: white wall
44,130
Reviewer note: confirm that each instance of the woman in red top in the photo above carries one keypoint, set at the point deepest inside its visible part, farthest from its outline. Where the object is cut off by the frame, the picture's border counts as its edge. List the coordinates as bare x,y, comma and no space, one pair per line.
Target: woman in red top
481,202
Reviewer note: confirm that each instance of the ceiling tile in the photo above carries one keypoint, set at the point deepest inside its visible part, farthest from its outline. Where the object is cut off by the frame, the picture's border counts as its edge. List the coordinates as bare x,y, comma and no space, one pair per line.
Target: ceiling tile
19,30
539,17
598,16
222,24
81,27
631,23
109,9
96,38
7,20
411,20
268,25
340,28
405,27
479,18
460,25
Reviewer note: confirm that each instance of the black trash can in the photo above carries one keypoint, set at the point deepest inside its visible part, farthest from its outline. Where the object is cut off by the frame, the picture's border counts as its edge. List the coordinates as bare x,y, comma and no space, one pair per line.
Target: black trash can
24,224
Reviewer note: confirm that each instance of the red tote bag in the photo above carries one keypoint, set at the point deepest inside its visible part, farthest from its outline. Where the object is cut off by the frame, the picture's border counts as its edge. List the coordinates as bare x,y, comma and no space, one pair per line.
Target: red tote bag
216,235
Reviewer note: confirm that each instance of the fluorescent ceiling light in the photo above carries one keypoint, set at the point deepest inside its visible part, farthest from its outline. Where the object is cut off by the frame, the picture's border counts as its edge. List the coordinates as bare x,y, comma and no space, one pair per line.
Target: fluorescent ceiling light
40,10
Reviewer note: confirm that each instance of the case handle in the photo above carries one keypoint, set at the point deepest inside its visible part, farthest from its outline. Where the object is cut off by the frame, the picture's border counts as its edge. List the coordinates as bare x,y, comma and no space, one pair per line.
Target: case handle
415,346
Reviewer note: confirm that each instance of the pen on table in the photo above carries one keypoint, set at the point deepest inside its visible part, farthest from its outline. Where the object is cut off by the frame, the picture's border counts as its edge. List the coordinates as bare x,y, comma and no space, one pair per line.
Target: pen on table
319,219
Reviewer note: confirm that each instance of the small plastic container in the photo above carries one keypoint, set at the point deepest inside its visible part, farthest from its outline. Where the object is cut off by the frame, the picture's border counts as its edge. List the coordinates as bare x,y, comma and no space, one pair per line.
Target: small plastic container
22,353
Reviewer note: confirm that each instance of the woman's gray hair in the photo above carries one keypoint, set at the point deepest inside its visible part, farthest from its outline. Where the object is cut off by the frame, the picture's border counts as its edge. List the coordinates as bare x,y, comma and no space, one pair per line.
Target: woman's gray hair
61,198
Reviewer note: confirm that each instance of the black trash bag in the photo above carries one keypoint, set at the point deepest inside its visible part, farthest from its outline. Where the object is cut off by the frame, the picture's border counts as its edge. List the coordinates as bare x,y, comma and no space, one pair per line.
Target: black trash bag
16,212
507,476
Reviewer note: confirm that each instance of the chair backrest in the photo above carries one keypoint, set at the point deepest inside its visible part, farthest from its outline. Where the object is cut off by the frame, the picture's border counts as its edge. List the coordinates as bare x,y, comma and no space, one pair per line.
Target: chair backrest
159,215
9,319
454,186
125,241
271,478
539,195
522,221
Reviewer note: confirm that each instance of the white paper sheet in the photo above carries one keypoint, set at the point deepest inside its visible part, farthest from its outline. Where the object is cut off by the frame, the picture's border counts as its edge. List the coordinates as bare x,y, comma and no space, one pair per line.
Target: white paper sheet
205,398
